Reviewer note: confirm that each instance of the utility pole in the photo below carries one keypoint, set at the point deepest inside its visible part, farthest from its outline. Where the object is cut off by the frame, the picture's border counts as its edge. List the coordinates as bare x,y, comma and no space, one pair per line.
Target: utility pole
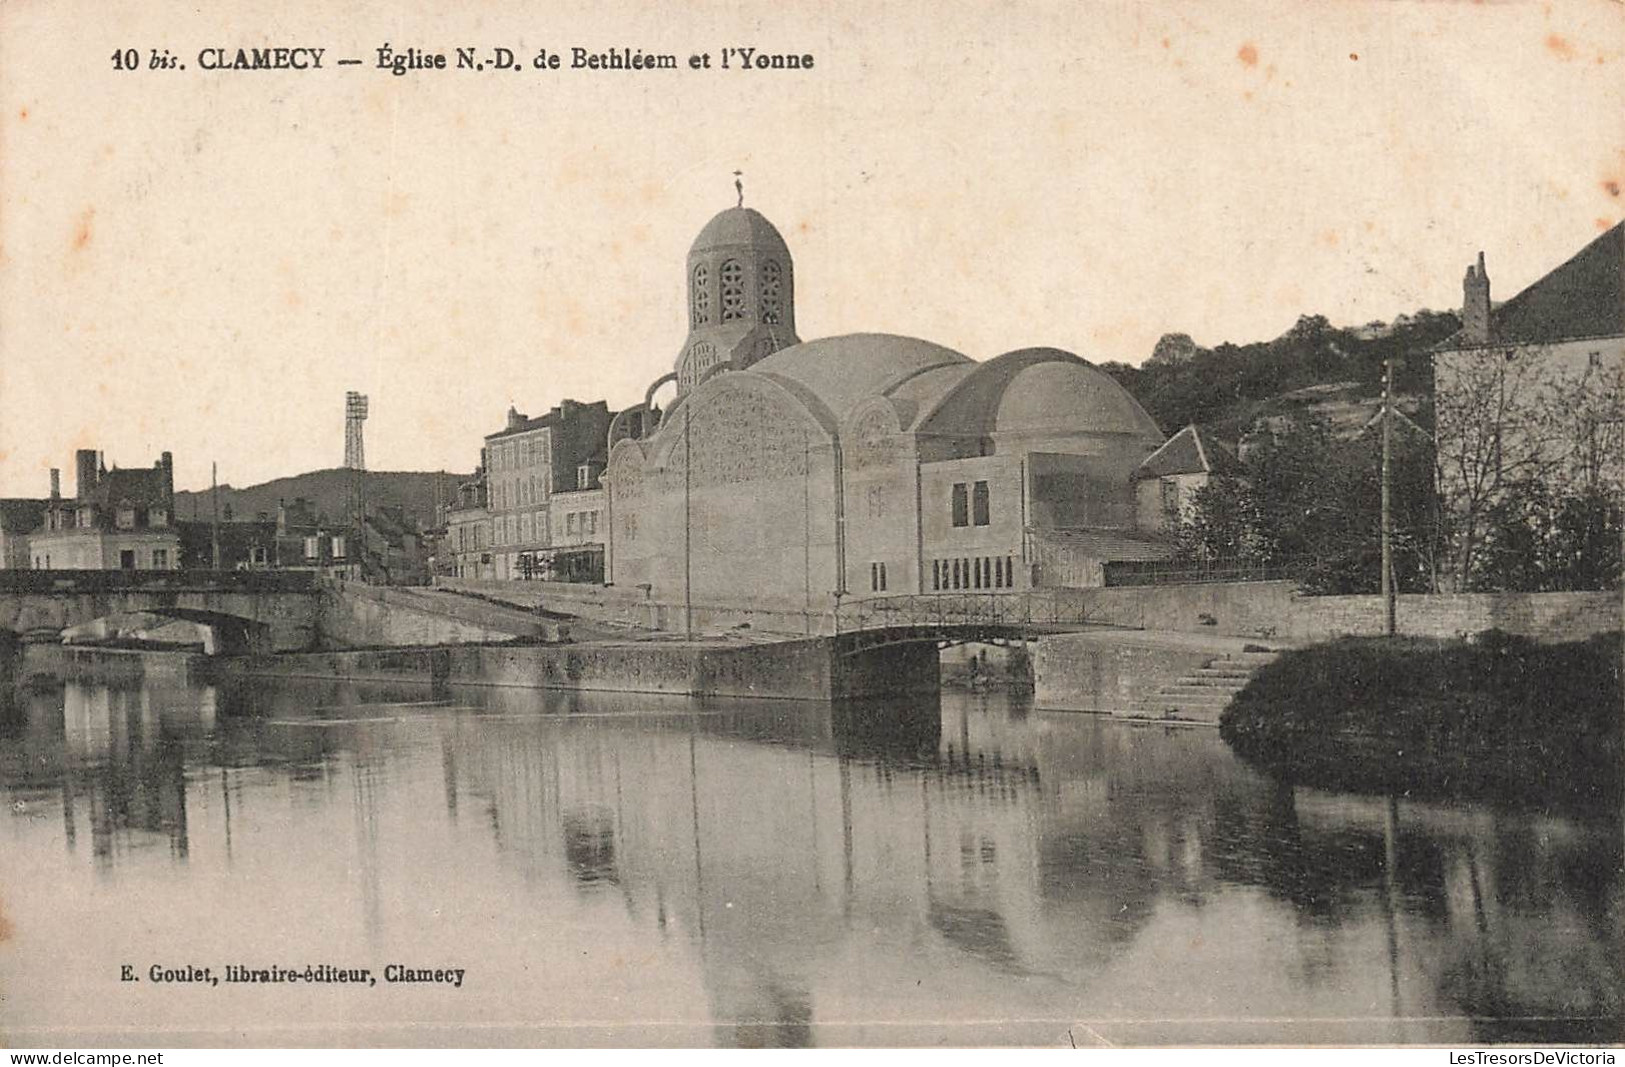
688,555
1388,597
214,495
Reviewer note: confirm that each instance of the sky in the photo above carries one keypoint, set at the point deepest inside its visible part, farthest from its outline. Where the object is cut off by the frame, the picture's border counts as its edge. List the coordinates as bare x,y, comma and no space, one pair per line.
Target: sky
204,262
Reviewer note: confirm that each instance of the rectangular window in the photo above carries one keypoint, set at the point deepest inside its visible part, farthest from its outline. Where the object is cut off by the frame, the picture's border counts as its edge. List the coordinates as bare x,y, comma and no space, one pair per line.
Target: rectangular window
1170,496
157,517
882,577
936,574
126,559
310,548
338,546
976,566
874,577
592,522
160,559
961,510
570,524
979,504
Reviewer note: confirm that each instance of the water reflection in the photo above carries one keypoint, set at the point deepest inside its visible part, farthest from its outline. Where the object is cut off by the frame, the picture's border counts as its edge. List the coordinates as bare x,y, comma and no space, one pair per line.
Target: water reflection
647,870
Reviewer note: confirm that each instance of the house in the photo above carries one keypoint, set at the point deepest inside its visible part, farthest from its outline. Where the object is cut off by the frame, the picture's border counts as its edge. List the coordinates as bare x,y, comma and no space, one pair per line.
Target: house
1528,393
1166,484
120,519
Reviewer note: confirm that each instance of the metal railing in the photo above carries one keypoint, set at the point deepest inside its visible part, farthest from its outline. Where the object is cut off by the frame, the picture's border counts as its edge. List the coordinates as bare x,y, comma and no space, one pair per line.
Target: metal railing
1037,609
1120,573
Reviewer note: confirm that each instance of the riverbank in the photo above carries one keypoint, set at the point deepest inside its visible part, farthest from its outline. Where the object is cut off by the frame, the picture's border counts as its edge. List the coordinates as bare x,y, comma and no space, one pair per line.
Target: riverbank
1498,717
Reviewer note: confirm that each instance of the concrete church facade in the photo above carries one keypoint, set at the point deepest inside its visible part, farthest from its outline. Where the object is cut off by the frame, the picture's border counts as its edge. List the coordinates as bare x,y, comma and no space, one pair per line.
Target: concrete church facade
789,474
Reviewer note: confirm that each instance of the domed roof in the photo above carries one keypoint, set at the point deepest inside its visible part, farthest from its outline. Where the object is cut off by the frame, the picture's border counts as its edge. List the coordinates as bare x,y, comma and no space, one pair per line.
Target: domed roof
1038,391
842,371
739,226
1060,396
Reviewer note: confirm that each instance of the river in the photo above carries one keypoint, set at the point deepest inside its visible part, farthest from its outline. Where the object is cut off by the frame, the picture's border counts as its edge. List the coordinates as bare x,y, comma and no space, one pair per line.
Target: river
607,869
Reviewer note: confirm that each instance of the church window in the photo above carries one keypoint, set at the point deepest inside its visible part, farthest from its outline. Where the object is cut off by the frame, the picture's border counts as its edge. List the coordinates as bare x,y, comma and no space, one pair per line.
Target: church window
772,291
733,290
936,574
701,302
955,583
877,577
979,502
961,510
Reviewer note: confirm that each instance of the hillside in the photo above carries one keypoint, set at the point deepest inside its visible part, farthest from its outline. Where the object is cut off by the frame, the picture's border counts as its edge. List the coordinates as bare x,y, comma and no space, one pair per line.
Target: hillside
1228,386
329,490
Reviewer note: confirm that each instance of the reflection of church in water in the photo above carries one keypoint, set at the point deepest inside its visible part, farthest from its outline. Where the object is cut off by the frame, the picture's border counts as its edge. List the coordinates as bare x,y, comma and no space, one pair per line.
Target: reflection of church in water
787,471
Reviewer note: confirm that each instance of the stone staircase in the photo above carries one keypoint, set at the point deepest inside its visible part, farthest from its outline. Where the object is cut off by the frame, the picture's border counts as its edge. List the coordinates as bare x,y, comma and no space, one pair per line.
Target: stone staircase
1202,695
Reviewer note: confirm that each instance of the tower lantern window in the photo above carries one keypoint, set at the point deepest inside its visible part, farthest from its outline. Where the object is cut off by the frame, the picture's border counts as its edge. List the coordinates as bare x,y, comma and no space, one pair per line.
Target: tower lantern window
733,290
772,291
701,303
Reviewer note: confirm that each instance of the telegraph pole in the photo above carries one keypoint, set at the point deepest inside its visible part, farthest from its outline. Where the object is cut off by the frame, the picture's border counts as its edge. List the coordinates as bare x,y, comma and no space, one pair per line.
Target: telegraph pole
1388,598
214,496
688,555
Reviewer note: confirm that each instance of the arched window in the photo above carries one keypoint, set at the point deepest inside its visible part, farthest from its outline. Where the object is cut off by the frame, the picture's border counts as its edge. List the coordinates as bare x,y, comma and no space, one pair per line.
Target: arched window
700,304
772,291
733,290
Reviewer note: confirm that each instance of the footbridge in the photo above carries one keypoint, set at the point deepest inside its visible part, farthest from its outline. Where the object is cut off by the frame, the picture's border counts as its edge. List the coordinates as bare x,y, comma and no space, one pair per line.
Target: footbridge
955,618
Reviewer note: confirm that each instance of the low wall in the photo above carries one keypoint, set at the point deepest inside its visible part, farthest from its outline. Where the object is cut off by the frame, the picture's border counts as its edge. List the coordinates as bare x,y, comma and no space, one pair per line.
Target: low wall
1238,609
624,606
355,615
806,669
117,665
1277,610
1081,672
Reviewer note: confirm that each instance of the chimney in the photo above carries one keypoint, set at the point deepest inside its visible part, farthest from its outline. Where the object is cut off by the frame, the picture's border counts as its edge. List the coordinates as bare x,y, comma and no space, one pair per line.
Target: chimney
166,463
56,483
84,473
515,419
281,517
1475,306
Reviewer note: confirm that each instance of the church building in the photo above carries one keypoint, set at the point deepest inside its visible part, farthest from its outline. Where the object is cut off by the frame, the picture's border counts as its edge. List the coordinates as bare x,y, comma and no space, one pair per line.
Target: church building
791,474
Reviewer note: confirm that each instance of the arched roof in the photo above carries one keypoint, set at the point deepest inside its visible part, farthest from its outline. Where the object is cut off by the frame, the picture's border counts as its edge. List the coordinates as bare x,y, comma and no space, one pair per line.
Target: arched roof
843,371
739,226
1038,391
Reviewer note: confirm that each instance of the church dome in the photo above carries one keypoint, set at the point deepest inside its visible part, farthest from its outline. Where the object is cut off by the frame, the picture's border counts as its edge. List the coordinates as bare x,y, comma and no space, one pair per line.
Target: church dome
1067,396
739,227
1038,392
843,371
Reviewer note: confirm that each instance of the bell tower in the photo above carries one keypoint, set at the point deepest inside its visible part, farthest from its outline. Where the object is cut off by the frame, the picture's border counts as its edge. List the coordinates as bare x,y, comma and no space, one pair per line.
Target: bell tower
741,296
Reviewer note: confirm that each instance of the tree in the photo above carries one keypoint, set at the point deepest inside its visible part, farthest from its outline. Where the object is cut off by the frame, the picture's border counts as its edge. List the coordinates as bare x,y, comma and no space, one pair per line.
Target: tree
1518,430
1311,503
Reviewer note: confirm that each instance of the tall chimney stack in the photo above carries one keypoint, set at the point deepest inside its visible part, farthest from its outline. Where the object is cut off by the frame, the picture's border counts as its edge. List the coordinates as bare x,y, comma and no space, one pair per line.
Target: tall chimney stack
56,483
84,472
1475,305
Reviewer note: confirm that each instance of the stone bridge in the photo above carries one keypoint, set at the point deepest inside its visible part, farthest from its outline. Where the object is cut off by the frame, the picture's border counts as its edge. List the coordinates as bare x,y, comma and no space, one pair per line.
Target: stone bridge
259,611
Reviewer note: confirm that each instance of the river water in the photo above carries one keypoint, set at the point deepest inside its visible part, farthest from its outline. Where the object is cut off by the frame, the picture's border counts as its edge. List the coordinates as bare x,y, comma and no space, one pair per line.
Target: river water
640,870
